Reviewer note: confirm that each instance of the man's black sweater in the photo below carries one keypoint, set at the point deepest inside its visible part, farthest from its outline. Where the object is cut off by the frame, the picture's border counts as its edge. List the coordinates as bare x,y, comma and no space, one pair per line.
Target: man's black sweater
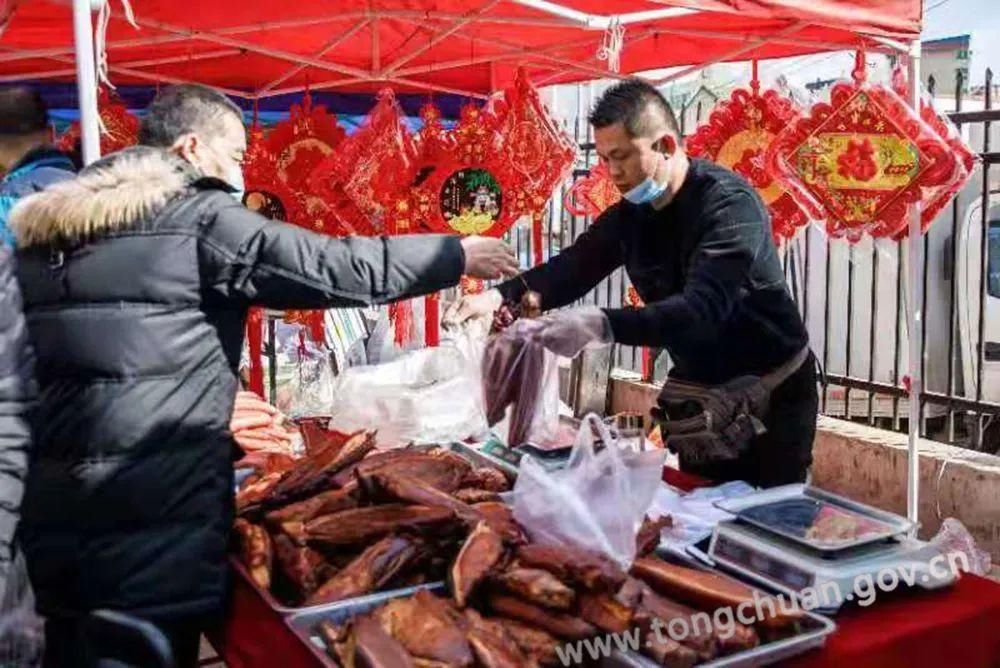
706,268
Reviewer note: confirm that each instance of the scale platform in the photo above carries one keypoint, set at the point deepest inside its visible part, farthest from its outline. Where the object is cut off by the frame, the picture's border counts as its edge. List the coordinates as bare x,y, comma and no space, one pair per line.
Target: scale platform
785,554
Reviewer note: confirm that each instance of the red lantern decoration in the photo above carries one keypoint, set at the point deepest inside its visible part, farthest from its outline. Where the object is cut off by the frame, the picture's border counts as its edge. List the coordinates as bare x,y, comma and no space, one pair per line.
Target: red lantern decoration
738,134
120,127
860,161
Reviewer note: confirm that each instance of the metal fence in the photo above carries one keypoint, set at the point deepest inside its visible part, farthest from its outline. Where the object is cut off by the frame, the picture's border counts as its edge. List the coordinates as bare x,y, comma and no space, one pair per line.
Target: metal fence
853,300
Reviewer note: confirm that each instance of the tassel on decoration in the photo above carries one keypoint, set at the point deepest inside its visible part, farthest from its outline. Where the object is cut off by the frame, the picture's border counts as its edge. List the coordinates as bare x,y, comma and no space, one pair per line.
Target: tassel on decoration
255,342
432,315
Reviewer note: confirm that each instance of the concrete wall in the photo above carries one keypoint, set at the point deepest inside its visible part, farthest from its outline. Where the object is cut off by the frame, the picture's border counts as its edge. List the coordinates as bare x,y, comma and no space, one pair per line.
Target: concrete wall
869,465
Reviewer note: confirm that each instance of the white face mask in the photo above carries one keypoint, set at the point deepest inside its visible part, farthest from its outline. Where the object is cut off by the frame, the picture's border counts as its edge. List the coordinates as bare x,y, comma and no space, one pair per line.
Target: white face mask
649,190
233,175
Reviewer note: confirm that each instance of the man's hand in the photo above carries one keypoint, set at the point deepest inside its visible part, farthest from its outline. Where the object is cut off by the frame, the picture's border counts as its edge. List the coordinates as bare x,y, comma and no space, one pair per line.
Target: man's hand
472,307
488,259
566,333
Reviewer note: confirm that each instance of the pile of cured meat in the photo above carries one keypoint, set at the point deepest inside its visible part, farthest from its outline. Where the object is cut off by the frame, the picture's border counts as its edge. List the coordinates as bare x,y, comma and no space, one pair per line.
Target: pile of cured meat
348,520
511,603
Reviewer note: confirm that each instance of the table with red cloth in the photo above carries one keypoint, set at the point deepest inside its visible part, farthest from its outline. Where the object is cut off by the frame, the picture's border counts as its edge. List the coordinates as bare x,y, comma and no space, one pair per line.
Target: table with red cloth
955,626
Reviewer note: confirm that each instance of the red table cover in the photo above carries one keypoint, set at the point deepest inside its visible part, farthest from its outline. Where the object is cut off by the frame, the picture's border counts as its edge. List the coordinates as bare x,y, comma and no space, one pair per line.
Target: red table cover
909,629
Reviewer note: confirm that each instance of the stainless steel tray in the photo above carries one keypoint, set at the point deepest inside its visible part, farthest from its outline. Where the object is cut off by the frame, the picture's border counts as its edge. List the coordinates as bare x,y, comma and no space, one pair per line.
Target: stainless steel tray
892,525
764,655
303,622
480,458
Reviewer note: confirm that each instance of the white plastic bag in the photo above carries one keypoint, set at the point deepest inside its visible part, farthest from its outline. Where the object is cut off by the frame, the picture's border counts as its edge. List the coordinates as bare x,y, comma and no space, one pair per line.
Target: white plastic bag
954,537
521,386
430,395
597,502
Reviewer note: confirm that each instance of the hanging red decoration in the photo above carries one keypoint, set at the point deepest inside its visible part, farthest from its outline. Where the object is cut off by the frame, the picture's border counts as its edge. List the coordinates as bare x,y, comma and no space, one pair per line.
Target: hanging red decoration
120,126
592,194
255,343
738,134
298,144
860,161
937,197
373,164
633,300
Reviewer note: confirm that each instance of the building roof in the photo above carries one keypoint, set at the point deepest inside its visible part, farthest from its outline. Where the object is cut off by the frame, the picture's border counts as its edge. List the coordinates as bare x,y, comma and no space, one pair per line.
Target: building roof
956,42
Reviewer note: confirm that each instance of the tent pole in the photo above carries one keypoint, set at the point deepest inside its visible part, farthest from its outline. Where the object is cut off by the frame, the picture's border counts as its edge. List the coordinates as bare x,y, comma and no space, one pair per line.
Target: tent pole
914,317
86,81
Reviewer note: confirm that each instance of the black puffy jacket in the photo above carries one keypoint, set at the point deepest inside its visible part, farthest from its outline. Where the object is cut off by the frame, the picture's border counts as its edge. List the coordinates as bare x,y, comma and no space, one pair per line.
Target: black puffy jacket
137,277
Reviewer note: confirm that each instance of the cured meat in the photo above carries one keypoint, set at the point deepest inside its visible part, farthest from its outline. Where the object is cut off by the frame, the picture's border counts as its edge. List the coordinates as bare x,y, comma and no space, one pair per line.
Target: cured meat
473,496
537,645
648,537
513,369
667,652
480,554
324,503
605,612
361,525
375,648
558,624
501,518
537,586
316,473
652,607
304,568
704,590
264,463
401,487
487,478
425,629
444,472
368,572
256,552
589,569
251,494
742,638
490,642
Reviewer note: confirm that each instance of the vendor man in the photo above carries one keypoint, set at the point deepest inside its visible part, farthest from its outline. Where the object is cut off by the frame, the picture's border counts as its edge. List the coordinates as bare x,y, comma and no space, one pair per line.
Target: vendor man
695,239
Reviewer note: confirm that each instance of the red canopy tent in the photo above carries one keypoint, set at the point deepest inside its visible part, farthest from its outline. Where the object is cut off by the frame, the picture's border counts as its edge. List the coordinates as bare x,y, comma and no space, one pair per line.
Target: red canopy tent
266,48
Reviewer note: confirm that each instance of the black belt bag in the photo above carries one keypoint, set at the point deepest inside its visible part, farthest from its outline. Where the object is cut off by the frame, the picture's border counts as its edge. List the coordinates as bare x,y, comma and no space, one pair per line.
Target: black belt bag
710,423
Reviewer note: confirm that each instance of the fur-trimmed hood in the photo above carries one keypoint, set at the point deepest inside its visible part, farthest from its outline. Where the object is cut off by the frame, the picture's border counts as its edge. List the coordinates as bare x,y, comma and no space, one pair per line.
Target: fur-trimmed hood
108,196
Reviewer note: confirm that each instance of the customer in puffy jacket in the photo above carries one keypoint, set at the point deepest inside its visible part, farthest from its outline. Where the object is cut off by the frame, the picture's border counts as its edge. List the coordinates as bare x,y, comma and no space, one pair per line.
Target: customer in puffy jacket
27,160
137,276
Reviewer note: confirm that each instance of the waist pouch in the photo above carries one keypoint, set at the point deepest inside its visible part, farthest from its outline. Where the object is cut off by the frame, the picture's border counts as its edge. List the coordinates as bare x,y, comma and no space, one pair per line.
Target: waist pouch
710,423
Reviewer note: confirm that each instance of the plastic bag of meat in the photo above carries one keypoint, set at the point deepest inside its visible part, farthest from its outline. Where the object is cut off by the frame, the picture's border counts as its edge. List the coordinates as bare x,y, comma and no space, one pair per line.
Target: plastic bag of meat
430,395
521,386
597,502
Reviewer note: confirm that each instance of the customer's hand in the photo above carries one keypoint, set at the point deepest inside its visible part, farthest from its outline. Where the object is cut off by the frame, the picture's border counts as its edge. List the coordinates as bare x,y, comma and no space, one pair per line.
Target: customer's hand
567,333
472,307
488,258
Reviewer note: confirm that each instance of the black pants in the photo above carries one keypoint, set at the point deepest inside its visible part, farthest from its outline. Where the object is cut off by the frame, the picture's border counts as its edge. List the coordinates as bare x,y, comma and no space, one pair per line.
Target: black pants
66,646
782,455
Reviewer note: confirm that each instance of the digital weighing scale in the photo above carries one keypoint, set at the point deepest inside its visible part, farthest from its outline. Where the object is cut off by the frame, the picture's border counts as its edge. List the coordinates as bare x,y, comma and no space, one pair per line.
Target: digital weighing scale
773,540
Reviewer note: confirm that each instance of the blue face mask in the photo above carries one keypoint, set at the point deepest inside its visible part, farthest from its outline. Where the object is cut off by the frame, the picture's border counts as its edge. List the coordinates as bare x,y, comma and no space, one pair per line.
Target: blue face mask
647,191
235,179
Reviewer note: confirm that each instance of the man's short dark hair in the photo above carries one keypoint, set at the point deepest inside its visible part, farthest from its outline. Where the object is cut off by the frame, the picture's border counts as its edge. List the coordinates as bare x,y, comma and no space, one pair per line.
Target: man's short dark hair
22,112
179,110
627,103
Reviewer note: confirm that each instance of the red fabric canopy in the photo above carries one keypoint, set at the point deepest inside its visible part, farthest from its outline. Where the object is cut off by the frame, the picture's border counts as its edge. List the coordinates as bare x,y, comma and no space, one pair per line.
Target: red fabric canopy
267,47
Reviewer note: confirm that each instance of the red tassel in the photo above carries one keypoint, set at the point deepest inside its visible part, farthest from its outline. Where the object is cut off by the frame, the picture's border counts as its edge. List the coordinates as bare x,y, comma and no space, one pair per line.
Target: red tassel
536,238
647,365
401,314
255,341
432,331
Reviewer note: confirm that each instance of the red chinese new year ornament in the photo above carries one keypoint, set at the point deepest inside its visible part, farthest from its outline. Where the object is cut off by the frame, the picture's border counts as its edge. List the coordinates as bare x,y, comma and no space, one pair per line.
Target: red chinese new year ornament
592,194
861,161
935,198
738,134
120,127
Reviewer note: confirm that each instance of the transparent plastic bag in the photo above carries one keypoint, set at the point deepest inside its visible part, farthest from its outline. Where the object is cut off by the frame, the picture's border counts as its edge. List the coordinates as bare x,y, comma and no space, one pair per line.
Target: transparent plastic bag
954,537
597,502
521,386
431,395
22,631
